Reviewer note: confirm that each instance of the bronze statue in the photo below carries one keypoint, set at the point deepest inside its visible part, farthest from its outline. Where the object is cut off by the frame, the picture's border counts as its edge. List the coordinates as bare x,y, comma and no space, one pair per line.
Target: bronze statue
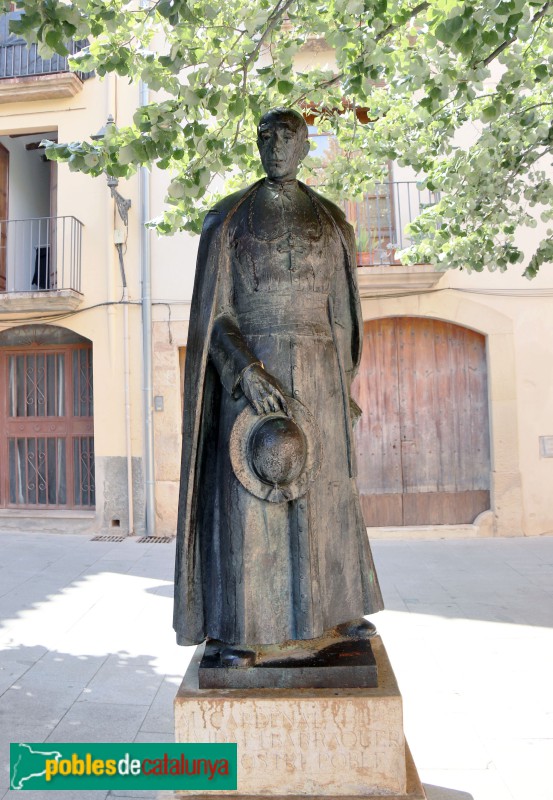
271,542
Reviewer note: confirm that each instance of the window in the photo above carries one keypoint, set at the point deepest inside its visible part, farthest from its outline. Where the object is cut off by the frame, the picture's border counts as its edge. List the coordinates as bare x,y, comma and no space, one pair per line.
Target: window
372,217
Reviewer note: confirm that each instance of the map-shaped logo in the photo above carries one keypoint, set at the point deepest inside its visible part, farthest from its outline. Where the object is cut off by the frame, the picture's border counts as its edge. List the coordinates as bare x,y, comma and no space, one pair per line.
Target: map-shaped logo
28,763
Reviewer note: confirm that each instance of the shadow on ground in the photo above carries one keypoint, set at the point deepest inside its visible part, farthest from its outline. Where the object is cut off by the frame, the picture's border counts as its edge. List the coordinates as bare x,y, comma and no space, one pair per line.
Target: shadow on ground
490,580
440,793
59,697
496,580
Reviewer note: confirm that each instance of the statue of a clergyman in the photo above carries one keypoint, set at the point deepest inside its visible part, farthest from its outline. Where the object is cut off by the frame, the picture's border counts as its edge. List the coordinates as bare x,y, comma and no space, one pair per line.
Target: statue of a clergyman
271,542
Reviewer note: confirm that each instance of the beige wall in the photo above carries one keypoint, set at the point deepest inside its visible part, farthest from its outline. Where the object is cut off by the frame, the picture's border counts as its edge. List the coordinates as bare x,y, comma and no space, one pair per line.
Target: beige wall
89,200
173,269
168,422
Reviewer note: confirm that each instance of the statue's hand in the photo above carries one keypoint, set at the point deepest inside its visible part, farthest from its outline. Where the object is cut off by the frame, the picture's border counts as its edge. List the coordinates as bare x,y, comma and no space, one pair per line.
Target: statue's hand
262,391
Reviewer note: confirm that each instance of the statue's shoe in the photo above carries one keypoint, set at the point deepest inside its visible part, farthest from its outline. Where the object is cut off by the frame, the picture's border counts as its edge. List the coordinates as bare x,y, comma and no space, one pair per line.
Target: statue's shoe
237,656
359,628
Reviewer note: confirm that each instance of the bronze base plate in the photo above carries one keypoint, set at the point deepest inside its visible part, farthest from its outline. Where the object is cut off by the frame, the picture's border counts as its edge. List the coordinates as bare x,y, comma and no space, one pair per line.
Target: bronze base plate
331,661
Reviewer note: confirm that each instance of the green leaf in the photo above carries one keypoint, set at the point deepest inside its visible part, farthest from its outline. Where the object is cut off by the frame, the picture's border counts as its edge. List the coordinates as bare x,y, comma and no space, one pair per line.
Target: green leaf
490,113
490,38
447,31
126,154
285,87
91,159
176,190
504,9
465,42
165,8
54,41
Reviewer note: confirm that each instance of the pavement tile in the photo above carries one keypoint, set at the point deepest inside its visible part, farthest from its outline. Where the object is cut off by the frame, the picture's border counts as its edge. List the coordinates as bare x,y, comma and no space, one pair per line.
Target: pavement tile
11,579
525,766
441,793
441,740
465,784
111,564
147,737
56,669
111,683
99,722
160,714
25,709
15,662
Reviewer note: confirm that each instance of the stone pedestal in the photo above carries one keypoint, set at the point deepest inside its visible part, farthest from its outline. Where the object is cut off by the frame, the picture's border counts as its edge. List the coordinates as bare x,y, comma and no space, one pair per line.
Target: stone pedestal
305,743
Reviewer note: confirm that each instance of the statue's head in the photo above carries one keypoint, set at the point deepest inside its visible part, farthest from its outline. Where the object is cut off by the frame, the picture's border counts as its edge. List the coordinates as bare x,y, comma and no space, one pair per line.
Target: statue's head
282,142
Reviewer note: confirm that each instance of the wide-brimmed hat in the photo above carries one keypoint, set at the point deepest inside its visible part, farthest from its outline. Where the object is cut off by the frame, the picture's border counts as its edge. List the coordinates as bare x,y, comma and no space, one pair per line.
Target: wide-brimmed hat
276,457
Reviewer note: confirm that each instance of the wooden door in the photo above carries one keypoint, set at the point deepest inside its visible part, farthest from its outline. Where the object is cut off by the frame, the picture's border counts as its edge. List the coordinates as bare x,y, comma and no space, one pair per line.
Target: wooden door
4,210
423,440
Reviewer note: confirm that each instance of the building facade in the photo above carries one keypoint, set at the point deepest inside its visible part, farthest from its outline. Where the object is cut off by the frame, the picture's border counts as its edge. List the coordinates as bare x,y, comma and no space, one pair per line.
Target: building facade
456,381
68,436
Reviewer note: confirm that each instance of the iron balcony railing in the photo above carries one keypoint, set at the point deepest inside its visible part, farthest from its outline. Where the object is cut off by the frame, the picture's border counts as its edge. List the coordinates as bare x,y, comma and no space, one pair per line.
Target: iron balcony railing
380,219
41,254
21,60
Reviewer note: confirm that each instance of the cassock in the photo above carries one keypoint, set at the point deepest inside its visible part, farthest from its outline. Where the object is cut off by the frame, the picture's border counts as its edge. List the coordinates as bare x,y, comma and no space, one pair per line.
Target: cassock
275,284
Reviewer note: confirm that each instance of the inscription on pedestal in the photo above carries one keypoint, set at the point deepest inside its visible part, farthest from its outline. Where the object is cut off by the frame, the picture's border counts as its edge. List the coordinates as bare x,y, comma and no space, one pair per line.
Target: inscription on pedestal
321,736
318,742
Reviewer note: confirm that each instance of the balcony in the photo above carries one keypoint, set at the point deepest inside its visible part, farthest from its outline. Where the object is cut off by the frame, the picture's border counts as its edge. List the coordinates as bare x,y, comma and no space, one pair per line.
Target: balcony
379,221
40,264
24,75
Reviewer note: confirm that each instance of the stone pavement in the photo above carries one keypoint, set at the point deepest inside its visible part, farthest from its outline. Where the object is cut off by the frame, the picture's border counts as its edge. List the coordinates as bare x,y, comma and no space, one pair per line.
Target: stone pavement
88,654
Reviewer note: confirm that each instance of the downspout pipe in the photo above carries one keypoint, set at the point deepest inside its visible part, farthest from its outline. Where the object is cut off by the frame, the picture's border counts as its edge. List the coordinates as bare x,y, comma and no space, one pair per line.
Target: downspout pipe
127,373
148,375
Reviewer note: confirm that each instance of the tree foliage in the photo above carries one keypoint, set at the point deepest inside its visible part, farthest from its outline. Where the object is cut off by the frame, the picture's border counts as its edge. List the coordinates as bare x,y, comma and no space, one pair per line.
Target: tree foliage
462,92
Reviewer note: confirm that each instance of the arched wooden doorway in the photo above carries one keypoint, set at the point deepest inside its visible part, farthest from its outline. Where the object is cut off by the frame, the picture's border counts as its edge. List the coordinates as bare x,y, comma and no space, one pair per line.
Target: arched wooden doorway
423,441
46,419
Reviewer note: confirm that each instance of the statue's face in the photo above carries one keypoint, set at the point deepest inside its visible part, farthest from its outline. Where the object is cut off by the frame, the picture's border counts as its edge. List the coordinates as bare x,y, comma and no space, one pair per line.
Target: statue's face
281,147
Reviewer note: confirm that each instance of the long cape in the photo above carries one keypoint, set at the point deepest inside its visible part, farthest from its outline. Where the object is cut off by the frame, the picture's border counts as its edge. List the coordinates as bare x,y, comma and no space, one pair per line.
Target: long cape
201,387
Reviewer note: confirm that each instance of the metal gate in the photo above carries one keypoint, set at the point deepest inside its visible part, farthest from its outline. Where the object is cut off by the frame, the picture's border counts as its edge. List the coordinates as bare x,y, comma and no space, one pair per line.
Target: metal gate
46,428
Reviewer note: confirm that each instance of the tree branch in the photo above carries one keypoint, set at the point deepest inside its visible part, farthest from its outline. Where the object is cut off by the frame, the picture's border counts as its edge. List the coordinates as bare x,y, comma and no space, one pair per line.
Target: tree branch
394,27
508,42
242,118
274,17
386,32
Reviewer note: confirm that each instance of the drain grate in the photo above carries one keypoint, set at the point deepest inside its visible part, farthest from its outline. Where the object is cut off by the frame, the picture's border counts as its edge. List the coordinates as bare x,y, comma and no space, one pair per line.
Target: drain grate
108,539
155,539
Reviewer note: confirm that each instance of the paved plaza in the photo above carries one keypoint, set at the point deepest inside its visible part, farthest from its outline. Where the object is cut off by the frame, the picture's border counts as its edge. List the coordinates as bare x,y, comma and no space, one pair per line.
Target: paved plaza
88,654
